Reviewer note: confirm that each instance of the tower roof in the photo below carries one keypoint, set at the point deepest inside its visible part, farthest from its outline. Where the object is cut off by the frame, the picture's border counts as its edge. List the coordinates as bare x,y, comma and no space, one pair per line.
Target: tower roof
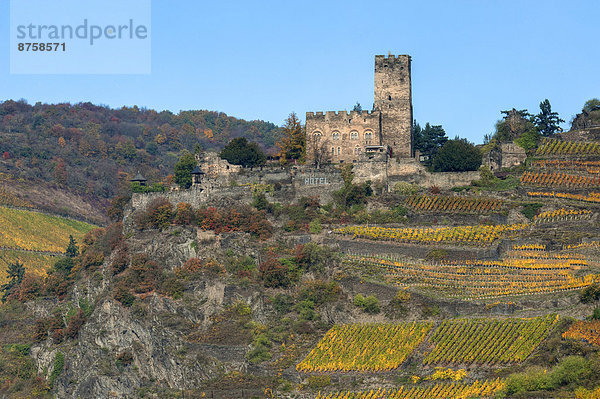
138,177
197,171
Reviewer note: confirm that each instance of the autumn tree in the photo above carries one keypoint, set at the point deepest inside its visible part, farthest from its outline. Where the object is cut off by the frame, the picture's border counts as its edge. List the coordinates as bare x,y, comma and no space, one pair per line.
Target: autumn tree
293,142
320,151
60,171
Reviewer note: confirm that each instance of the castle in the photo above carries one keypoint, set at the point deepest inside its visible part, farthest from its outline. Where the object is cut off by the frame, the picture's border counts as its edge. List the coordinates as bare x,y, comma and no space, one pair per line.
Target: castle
342,136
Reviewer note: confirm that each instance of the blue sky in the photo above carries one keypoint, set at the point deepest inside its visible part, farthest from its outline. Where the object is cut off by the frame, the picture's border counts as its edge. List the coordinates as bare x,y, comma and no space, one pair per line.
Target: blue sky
263,60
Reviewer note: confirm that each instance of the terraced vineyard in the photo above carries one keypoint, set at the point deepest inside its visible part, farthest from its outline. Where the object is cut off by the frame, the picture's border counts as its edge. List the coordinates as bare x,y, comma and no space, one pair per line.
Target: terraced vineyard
34,231
562,214
487,341
484,279
558,179
477,389
589,197
453,204
365,347
584,166
460,235
559,147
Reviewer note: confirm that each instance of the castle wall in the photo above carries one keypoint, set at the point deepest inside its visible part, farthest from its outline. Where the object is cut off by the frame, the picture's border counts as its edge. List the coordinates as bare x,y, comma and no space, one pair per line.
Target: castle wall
393,97
340,136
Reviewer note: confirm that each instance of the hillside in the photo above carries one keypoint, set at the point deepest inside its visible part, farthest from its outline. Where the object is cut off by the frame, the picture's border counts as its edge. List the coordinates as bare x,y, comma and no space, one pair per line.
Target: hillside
475,291
35,239
92,150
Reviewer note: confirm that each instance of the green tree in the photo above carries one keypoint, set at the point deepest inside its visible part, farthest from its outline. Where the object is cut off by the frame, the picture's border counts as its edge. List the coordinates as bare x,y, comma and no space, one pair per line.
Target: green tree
14,274
457,155
513,125
240,151
293,142
428,140
184,168
547,122
591,105
357,107
72,249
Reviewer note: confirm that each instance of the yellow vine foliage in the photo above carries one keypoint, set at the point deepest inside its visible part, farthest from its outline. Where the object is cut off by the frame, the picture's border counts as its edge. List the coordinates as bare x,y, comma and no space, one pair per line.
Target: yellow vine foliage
588,331
365,347
444,390
34,231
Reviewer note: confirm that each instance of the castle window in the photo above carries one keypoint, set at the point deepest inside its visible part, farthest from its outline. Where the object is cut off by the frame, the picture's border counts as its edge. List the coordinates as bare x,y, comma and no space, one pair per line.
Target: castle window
349,120
336,136
368,137
389,97
332,150
339,150
354,135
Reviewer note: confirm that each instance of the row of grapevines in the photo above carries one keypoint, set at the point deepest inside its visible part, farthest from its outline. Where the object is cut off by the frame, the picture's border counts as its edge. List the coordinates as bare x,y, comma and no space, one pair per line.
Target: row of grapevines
484,279
478,389
562,214
453,204
37,231
487,341
464,235
589,197
558,179
365,347
585,166
584,330
559,147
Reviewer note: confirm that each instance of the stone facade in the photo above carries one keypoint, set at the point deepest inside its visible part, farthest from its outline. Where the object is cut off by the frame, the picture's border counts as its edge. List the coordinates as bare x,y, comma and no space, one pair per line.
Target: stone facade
506,156
343,136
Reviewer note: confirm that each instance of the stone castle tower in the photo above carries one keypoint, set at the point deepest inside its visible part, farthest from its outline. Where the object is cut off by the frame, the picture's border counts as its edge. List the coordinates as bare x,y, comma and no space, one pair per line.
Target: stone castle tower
343,136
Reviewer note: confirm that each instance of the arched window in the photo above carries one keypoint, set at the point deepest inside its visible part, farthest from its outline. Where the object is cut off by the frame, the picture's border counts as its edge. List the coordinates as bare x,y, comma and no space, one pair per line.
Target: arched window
332,150
368,137
339,150
353,135
336,135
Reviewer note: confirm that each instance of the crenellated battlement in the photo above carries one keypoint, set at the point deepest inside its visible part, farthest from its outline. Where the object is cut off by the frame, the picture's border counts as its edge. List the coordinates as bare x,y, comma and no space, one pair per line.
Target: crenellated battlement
392,56
340,115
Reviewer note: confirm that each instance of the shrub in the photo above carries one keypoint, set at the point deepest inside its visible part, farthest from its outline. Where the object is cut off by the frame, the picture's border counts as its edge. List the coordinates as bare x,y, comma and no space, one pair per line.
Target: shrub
369,304
122,294
273,273
260,351
57,369
314,258
282,303
184,214
75,323
404,188
306,310
172,287
315,227
531,209
320,292
120,261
